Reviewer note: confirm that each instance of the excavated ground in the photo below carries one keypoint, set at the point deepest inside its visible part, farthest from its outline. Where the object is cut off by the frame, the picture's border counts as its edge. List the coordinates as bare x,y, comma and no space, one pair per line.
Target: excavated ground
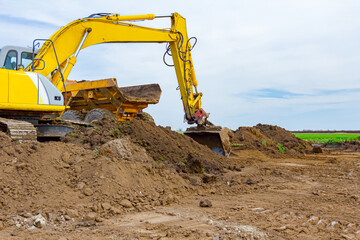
135,180
271,140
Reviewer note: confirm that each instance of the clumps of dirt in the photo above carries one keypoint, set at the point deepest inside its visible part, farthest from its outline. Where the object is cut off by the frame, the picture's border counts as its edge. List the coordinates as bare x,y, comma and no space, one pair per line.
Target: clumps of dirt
99,171
66,181
111,168
285,138
164,146
4,138
93,137
271,140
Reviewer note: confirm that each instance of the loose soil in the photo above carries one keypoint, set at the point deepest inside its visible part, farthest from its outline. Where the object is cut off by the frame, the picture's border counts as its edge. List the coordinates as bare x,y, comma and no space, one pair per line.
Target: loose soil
271,140
135,180
163,145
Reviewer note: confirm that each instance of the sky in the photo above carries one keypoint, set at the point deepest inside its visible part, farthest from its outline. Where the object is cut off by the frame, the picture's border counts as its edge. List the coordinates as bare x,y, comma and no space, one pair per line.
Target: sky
291,63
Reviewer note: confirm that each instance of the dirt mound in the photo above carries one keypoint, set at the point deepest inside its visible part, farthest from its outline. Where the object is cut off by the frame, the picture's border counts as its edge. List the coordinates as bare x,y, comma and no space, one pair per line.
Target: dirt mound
272,140
64,181
285,138
115,180
161,144
100,171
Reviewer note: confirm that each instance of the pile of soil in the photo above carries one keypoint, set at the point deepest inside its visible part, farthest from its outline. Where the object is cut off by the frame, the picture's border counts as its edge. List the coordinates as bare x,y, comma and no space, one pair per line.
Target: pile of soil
99,171
172,149
271,140
65,181
107,181
112,168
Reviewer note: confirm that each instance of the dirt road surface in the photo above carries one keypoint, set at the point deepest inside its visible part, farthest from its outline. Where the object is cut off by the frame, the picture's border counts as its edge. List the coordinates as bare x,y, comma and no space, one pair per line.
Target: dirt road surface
69,191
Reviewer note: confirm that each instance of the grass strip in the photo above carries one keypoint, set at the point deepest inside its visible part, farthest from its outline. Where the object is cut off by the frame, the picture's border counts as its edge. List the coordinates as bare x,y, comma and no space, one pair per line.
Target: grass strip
327,137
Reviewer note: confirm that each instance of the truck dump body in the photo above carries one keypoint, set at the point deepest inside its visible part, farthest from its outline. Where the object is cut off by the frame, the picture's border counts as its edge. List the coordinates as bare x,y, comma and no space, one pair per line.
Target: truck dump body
125,102
149,93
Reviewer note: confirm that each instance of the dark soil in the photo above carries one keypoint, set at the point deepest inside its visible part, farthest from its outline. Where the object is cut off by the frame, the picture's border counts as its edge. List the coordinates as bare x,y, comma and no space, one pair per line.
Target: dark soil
163,145
55,178
271,140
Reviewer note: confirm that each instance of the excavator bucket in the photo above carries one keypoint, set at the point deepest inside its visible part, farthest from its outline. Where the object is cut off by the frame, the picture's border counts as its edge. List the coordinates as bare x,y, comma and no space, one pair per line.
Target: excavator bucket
215,137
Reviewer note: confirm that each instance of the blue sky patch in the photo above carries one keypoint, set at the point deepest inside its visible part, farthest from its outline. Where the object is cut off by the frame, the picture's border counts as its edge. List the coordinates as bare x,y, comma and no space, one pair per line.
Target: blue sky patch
338,91
275,93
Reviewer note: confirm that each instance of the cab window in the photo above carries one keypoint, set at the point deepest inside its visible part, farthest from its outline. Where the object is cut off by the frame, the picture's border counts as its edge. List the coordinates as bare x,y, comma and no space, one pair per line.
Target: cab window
11,60
26,59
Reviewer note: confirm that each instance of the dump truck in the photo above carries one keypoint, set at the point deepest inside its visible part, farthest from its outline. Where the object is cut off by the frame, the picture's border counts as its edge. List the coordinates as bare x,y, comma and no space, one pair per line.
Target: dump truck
91,101
40,91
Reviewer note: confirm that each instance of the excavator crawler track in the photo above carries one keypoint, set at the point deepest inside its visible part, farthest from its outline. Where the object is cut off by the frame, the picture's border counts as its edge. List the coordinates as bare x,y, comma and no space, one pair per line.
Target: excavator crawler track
18,130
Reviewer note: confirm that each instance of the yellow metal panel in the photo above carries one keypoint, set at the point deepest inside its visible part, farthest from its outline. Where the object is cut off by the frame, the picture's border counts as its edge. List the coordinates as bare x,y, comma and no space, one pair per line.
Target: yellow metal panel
90,85
103,30
117,17
4,83
22,89
31,107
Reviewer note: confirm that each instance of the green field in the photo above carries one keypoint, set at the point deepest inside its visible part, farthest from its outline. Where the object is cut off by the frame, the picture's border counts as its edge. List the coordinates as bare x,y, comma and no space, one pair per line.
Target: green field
327,137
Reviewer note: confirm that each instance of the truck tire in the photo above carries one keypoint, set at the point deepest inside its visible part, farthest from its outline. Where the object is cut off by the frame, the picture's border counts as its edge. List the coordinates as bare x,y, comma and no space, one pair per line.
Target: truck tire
146,117
99,114
73,115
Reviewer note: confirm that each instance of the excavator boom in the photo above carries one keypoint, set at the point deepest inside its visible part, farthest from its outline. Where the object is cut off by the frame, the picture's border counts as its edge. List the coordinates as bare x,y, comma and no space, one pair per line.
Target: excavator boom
58,54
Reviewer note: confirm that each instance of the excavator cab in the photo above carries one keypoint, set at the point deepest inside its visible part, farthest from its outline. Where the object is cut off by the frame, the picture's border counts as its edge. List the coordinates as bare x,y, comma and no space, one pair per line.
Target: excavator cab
12,57
26,99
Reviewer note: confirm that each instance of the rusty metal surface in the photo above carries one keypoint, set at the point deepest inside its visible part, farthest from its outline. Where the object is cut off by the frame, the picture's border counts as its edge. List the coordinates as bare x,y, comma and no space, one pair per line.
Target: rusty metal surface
149,93
105,93
204,129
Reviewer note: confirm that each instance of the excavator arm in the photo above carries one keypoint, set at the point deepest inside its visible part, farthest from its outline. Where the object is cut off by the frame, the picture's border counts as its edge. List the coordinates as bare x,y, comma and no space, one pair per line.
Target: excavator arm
58,54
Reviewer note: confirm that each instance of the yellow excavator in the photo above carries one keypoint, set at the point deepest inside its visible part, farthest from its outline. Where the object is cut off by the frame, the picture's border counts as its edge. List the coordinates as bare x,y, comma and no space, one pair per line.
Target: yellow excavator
34,88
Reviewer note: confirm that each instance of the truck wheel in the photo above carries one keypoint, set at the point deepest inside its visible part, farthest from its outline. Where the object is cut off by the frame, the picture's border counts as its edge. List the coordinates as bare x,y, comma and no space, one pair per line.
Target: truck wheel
73,115
99,114
146,117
